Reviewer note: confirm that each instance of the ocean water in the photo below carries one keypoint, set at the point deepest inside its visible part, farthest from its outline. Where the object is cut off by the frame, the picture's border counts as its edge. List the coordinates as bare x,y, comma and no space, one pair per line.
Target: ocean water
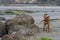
38,16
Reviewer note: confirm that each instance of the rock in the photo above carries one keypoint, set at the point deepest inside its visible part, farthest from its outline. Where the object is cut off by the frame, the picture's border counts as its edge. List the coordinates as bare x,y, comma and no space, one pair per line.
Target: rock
2,19
35,28
21,30
24,30
22,25
2,29
24,19
12,37
5,37
16,36
18,28
11,22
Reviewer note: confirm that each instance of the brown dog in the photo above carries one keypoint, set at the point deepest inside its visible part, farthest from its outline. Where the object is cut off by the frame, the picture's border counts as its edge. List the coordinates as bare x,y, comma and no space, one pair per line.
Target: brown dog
46,23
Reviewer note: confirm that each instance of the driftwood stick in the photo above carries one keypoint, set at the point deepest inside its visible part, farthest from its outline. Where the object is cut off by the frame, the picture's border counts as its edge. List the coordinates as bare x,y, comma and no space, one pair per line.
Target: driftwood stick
51,20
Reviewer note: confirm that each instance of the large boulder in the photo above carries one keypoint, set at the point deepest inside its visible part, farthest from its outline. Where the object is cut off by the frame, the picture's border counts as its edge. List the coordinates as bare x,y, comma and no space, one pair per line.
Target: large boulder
17,30
2,29
24,19
22,24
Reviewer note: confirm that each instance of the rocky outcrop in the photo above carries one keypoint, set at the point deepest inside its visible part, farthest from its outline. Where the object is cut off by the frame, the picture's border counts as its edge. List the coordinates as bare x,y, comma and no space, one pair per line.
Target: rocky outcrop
16,33
20,32
21,20
20,27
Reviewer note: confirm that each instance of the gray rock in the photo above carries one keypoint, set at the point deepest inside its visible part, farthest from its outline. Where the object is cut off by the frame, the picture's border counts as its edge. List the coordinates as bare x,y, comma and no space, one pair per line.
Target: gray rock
2,19
24,19
12,37
2,29
18,28
21,26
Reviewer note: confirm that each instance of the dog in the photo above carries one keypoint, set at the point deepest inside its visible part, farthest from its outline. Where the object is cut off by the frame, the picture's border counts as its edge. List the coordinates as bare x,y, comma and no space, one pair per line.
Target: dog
46,23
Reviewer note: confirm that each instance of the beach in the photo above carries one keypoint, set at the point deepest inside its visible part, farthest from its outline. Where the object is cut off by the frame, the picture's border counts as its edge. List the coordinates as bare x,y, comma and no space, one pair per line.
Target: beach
54,25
